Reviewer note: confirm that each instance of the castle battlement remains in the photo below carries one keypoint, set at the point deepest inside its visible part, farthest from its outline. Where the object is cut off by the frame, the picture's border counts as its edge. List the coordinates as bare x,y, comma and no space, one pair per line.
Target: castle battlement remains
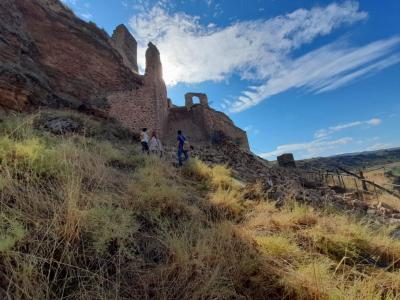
51,58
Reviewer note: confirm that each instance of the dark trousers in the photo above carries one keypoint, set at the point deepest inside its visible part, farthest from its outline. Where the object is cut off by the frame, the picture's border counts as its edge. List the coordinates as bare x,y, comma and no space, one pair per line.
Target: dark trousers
185,154
145,147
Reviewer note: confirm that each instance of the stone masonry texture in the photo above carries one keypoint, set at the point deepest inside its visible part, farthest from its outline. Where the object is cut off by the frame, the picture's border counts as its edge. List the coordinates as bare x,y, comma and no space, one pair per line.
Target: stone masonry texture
51,58
126,45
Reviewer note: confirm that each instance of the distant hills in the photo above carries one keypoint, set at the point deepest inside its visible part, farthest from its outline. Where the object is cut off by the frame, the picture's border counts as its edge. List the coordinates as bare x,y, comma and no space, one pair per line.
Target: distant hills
359,160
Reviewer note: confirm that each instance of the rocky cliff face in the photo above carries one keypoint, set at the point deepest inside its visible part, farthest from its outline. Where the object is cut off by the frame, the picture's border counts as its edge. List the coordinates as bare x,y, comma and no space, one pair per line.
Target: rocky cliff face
50,57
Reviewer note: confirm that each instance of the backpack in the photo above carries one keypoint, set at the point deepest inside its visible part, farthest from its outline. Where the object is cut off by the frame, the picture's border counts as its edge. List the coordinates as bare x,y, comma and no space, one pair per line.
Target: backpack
186,145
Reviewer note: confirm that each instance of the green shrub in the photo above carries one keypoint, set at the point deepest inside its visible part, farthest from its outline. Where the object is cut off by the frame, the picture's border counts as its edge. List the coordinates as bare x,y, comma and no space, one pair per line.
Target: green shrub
30,156
18,127
11,231
279,246
106,225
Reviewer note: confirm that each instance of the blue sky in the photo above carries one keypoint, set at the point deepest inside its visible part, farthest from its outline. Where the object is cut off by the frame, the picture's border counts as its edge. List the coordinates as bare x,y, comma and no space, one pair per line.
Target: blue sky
315,78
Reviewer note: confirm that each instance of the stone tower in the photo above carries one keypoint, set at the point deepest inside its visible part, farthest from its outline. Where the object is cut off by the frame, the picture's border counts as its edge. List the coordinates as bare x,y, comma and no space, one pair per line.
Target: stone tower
147,105
153,78
126,45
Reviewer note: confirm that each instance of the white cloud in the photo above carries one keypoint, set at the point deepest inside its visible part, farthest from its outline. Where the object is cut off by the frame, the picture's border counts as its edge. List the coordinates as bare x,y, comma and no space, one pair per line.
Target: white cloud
309,149
251,130
333,129
86,16
323,70
255,50
69,2
374,122
379,146
261,50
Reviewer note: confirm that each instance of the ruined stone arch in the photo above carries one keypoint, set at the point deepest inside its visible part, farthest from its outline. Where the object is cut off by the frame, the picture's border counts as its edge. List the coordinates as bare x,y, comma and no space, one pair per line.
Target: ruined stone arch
189,99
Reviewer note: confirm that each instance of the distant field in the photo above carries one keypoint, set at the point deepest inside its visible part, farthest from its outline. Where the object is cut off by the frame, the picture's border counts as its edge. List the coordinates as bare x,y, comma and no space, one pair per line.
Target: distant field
381,167
396,171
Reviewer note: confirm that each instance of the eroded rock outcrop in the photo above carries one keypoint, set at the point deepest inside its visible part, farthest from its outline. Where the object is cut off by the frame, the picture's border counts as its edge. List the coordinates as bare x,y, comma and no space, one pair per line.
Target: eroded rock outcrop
50,57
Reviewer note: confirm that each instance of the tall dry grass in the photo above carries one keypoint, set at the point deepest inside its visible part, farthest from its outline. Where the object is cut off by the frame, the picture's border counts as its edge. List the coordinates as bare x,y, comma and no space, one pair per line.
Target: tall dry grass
82,217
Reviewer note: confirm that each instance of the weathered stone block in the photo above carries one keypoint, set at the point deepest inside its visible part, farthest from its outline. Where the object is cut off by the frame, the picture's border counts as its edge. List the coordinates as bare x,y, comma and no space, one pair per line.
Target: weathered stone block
286,160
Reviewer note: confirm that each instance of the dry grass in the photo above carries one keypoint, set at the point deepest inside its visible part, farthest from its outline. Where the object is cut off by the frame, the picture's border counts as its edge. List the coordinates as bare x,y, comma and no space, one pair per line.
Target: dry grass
84,218
68,229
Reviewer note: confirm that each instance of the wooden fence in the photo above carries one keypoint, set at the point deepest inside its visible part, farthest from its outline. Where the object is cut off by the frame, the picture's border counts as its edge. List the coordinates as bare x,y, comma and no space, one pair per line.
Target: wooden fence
348,180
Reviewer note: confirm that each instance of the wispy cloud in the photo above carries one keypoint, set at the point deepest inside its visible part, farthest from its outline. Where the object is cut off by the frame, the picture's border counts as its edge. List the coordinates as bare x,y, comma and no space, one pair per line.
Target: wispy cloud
323,70
309,149
255,50
86,16
324,143
69,2
262,51
250,129
379,146
333,129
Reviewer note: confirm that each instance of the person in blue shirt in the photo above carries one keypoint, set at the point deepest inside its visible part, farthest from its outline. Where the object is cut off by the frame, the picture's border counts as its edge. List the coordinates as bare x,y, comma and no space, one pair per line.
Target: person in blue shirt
182,148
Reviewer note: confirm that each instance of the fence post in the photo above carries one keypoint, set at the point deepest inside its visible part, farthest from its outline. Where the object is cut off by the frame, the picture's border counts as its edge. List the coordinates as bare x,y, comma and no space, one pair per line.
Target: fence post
340,179
355,181
364,184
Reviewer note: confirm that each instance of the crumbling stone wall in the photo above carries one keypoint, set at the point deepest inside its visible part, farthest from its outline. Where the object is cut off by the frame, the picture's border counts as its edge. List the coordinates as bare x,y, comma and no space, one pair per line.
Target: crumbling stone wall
201,123
215,121
190,122
146,106
49,57
126,45
189,99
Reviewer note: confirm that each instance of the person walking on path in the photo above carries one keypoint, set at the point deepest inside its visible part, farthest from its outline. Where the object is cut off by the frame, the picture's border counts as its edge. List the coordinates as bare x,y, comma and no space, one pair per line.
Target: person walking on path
183,148
144,140
155,145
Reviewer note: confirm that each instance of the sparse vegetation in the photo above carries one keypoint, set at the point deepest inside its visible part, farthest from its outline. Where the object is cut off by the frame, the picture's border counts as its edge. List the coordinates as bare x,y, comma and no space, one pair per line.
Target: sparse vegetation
84,216
395,171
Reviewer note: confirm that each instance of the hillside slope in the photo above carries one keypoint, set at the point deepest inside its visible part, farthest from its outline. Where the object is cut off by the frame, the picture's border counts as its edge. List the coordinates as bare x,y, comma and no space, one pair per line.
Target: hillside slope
84,216
353,161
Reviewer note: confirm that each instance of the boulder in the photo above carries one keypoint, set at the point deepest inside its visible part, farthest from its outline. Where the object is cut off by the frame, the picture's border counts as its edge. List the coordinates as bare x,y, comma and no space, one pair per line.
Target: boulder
286,160
395,234
61,125
393,221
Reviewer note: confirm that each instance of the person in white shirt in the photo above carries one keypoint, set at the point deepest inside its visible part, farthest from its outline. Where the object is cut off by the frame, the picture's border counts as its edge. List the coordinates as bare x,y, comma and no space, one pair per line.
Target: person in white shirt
144,140
155,144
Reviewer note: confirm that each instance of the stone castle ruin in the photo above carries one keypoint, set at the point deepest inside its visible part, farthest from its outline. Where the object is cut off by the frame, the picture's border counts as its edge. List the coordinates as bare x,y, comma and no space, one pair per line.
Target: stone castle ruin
189,99
51,58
